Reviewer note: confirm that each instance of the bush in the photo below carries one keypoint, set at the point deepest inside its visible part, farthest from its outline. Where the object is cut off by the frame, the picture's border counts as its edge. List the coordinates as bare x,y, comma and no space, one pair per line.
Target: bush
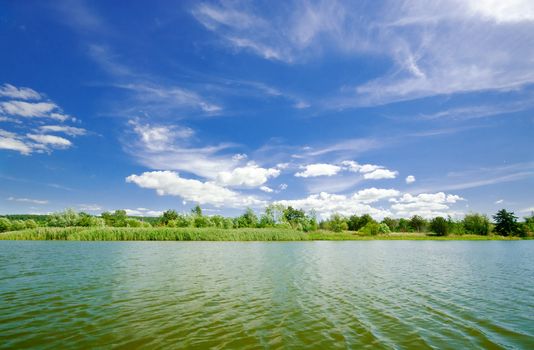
529,223
337,223
31,223
64,219
404,225
5,224
17,225
168,216
439,226
356,222
371,228
476,224
384,228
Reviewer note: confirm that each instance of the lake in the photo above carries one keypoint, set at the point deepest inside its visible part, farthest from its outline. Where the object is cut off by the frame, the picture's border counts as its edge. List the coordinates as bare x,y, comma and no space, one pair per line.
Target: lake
233,295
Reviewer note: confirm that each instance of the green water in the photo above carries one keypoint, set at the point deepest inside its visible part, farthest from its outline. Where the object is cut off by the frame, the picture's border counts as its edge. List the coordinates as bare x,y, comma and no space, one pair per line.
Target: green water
231,295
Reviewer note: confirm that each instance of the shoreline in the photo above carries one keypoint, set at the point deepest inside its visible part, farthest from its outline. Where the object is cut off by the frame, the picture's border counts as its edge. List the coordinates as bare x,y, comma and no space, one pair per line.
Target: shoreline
230,235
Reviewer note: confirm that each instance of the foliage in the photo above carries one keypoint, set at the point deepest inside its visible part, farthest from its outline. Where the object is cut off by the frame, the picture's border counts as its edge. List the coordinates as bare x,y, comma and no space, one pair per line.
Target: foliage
337,223
476,224
355,222
383,228
392,224
403,225
248,219
372,228
5,224
529,223
168,215
439,226
117,219
417,223
506,224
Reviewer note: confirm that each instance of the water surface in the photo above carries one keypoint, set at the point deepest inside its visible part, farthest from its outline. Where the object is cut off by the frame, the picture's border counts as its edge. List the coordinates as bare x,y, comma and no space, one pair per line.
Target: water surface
198,295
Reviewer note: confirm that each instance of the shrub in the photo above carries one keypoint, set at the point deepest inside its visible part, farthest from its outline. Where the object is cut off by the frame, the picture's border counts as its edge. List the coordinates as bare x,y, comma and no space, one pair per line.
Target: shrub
476,224
168,215
356,222
529,223
248,219
384,228
372,228
17,225
440,226
337,223
31,223
404,225
64,219
5,224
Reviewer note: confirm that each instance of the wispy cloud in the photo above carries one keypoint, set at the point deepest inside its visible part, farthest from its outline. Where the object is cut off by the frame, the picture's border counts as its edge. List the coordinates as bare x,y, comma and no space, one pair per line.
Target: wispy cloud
28,200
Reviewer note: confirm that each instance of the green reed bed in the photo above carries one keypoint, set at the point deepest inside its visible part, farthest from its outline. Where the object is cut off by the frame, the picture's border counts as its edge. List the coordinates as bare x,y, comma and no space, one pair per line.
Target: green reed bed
215,234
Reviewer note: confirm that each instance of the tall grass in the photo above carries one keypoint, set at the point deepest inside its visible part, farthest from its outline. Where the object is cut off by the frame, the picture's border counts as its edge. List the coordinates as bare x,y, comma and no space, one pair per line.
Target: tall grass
212,234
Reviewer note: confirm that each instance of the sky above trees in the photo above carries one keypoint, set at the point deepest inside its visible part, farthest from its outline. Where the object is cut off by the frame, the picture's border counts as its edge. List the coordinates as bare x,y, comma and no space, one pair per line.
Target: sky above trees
390,108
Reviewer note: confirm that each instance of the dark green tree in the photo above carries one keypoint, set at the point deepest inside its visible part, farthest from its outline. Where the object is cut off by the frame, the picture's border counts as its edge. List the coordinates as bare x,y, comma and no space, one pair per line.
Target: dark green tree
506,223
417,223
168,215
440,226
197,210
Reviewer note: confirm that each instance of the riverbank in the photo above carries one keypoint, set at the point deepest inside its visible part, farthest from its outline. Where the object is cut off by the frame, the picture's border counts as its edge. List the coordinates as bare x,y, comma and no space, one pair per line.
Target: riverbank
215,234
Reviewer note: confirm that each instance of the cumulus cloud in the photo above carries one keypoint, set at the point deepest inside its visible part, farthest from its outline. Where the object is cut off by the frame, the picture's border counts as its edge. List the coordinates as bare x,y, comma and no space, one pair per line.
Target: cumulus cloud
50,140
319,169
380,174
266,189
250,175
170,183
410,179
425,204
326,204
11,141
143,212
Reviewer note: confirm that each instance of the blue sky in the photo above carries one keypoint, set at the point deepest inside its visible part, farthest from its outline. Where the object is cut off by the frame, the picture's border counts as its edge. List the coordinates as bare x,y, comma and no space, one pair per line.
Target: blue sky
391,108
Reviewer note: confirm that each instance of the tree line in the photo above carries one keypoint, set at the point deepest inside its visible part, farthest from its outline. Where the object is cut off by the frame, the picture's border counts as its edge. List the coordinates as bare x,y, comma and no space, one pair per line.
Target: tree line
504,223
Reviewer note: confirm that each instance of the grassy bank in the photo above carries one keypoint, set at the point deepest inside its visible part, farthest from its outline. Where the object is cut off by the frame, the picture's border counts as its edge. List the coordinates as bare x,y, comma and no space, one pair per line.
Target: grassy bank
213,234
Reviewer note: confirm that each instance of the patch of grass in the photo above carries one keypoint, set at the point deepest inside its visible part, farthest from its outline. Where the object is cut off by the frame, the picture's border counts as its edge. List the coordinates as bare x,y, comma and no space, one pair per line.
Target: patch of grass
217,234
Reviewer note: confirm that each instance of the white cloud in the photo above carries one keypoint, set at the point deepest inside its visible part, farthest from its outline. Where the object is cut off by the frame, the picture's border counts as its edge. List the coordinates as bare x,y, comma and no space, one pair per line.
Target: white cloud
27,109
170,183
250,175
282,187
500,201
11,141
28,200
425,204
143,212
168,147
266,189
22,93
69,130
380,174
50,140
90,207
410,179
326,204
371,195
510,11
319,169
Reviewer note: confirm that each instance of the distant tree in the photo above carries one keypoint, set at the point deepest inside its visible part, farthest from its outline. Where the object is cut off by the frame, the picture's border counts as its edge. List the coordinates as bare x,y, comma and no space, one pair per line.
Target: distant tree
506,223
168,215
439,226
197,210
529,223
372,228
337,223
248,219
417,223
67,218
17,225
202,221
384,228
355,222
476,224
393,224
31,223
294,217
5,224
404,225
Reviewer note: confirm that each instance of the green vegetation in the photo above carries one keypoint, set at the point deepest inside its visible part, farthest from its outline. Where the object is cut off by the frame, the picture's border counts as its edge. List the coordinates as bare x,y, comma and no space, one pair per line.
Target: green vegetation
275,223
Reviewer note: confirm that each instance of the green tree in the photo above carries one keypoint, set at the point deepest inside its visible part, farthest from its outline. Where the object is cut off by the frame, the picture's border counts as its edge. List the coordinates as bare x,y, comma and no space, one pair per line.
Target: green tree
355,222
294,217
5,224
337,223
417,223
197,210
372,228
404,225
168,215
439,226
506,223
393,224
31,223
529,223
248,219
476,224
